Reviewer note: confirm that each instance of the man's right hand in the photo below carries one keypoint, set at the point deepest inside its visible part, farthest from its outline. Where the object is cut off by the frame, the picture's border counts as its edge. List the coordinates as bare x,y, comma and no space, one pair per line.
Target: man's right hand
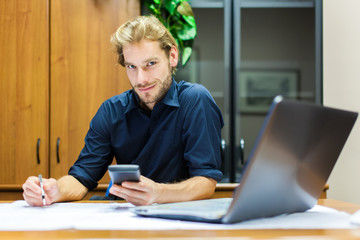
32,191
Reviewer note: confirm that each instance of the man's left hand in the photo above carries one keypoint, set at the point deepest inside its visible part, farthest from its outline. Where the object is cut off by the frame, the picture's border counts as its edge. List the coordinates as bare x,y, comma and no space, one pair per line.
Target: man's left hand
144,192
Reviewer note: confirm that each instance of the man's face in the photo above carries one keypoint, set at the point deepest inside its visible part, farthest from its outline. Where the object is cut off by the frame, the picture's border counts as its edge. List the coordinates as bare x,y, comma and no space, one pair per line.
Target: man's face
149,70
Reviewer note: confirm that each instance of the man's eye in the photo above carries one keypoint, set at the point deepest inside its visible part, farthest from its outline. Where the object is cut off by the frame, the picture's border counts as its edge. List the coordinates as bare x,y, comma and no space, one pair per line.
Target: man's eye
130,66
151,63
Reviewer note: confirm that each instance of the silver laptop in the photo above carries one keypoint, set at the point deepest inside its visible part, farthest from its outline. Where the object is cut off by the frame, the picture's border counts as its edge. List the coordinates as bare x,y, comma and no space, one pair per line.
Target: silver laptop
287,169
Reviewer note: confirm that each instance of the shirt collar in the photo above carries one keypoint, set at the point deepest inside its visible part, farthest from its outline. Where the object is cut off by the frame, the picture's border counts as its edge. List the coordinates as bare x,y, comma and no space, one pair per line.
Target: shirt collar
170,98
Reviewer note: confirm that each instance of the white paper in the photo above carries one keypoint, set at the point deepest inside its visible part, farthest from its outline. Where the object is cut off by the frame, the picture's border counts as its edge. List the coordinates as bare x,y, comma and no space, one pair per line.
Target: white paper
19,216
355,218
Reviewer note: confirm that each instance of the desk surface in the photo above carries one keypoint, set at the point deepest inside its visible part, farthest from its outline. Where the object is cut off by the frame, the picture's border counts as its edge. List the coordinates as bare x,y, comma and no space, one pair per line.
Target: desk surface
196,234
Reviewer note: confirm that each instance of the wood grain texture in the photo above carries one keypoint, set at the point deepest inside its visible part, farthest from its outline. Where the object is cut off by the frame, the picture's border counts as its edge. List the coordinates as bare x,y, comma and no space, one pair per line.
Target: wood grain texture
223,190
84,70
24,84
54,74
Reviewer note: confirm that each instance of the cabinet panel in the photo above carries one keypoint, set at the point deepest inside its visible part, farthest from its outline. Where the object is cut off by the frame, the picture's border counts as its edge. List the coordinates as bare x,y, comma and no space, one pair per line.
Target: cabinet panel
277,52
23,89
245,53
84,70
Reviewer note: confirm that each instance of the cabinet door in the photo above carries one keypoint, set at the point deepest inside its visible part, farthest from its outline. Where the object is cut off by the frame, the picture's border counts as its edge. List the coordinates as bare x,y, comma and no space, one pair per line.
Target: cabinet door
84,71
24,86
277,51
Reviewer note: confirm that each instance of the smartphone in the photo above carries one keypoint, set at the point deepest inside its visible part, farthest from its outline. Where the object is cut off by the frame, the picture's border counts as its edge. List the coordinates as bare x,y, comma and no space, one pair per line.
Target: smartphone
124,172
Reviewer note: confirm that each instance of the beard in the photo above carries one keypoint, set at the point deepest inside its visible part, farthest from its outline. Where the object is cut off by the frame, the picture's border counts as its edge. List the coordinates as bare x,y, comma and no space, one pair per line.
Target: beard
157,95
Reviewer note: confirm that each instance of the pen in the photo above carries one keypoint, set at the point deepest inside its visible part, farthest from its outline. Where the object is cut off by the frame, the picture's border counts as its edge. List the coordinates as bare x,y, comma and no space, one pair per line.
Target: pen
42,190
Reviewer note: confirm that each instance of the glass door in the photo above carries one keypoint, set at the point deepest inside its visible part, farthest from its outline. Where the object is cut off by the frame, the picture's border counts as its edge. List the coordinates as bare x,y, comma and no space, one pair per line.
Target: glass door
277,46
245,53
210,62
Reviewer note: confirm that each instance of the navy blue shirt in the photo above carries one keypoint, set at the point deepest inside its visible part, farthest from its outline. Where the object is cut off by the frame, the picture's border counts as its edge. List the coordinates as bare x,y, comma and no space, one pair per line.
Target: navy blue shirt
178,139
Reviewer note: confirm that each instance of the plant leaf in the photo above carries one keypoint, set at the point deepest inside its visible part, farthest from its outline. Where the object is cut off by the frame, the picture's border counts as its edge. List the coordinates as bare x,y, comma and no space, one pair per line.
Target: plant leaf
190,20
185,9
186,55
153,9
178,18
171,5
187,32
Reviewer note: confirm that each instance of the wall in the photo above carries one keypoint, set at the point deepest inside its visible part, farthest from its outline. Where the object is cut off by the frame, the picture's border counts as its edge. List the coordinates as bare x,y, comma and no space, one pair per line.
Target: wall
341,32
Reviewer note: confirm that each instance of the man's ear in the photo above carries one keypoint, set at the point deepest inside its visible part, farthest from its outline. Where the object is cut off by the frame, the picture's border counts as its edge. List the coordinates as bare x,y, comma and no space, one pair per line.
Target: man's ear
174,56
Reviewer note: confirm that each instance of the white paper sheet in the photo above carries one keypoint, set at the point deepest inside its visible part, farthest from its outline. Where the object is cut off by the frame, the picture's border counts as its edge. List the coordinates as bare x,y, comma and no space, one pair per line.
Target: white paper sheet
18,216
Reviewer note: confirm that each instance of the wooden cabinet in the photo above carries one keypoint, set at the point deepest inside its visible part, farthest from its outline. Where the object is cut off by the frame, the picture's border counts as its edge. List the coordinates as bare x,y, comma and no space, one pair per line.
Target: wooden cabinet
24,85
83,70
56,67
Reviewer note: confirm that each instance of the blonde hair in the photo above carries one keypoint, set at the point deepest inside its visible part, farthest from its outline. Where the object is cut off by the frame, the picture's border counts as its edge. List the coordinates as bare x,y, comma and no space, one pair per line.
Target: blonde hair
142,28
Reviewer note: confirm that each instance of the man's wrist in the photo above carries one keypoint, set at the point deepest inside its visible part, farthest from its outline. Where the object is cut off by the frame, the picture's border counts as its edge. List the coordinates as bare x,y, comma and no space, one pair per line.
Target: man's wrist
70,189
160,193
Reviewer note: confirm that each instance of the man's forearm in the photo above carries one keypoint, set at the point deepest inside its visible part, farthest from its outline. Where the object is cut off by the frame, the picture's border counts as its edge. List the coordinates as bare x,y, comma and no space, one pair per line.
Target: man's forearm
70,189
194,188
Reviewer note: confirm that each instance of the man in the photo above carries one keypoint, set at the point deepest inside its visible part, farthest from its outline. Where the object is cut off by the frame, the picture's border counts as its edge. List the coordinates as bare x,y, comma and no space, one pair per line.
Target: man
171,130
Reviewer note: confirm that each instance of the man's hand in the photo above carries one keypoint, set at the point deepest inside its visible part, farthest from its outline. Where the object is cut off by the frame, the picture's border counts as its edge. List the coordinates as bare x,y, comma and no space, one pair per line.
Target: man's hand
66,188
146,191
32,191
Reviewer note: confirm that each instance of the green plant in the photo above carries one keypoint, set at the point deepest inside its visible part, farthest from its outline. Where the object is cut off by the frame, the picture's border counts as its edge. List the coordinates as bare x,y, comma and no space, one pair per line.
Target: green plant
178,18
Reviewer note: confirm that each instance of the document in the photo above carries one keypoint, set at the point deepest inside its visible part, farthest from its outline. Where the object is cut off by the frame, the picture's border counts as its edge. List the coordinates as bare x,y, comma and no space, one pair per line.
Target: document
19,216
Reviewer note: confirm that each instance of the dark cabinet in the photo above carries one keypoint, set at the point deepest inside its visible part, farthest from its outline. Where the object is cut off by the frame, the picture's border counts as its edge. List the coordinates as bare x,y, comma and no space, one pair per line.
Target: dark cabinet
247,52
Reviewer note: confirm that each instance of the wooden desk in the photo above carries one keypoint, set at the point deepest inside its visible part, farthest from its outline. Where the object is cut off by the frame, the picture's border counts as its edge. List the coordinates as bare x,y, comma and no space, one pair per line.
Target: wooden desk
225,190
14,191
206,234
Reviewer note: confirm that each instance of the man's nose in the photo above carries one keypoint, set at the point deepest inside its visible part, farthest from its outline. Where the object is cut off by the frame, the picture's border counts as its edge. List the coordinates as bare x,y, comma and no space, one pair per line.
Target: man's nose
143,77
